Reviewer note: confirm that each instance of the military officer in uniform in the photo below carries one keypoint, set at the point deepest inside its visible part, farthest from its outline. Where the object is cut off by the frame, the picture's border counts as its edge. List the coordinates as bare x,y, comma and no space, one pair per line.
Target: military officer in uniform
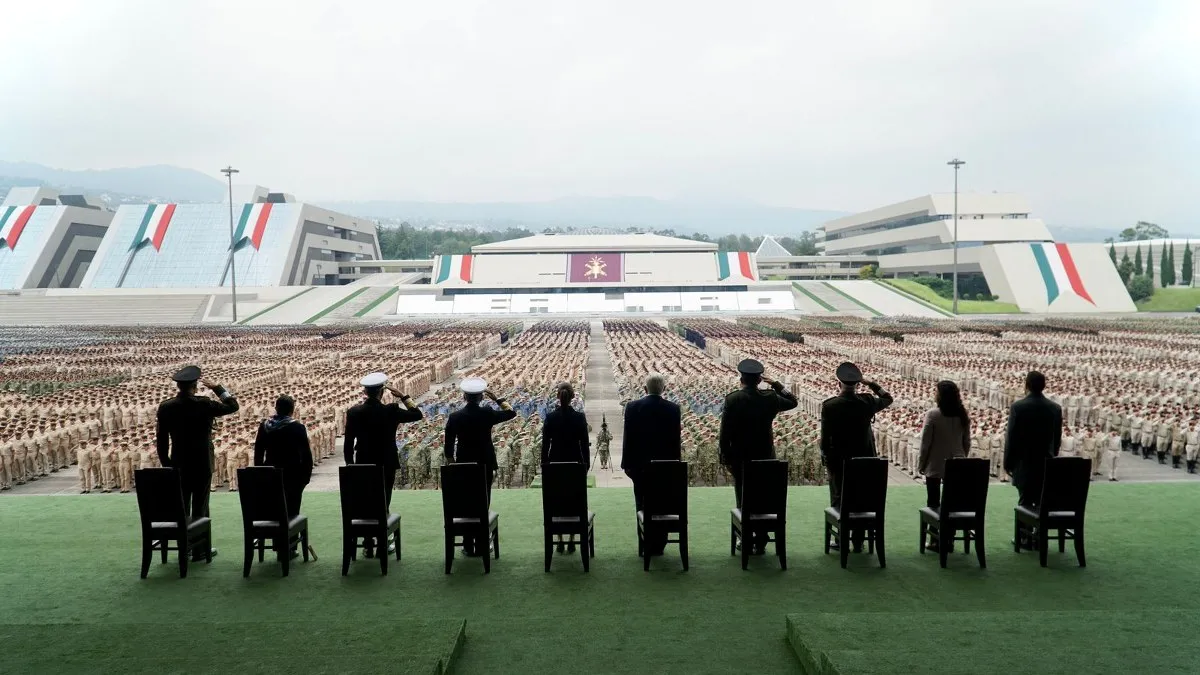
846,428
371,434
747,423
469,433
184,438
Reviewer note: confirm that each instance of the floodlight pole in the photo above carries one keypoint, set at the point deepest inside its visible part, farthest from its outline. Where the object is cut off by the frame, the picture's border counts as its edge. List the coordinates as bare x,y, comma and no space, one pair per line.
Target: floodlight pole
956,162
229,171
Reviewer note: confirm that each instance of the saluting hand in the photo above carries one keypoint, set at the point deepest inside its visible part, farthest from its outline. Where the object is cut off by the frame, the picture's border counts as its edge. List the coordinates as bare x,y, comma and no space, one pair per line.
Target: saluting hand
209,384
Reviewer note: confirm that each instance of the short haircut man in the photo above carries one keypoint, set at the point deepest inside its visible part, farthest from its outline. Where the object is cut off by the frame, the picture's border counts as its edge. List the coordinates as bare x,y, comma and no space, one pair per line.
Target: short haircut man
652,432
1034,434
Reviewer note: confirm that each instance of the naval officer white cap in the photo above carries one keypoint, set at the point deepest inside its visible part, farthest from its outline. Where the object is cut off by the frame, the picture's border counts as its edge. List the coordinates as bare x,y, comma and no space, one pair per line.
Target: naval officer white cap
473,385
374,380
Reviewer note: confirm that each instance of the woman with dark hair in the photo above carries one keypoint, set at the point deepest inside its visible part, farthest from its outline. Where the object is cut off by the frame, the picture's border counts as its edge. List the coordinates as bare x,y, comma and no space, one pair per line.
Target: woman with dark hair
947,434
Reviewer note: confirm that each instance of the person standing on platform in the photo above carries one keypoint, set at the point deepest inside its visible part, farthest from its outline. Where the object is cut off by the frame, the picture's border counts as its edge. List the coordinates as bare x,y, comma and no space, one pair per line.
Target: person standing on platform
371,435
565,435
1112,452
846,428
282,442
184,439
1035,426
652,431
469,434
747,424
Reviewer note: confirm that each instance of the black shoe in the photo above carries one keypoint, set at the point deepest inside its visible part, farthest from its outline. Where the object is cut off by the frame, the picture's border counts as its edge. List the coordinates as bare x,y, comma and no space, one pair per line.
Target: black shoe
858,547
570,548
561,549
834,545
200,557
293,554
1113,480
369,548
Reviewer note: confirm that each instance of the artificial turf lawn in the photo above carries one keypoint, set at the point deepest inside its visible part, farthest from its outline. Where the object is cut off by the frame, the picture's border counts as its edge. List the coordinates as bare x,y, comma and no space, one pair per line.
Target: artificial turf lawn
69,590
964,306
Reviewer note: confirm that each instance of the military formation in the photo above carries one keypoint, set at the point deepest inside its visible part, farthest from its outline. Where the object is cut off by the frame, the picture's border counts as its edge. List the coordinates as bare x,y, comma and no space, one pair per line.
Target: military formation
84,400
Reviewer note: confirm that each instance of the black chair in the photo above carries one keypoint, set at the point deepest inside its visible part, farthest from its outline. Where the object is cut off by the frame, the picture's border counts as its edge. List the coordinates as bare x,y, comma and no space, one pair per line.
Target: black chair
1064,501
365,514
264,516
763,515
160,507
565,511
864,498
963,509
465,513
664,508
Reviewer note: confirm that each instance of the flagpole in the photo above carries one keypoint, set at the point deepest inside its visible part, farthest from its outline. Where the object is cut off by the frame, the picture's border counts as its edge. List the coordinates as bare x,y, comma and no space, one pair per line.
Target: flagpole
229,171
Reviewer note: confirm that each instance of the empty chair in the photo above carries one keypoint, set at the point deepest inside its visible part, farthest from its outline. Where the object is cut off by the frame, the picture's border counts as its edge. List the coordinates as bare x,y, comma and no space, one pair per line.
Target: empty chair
864,497
664,509
1064,500
264,516
763,515
160,507
564,510
365,514
962,509
466,515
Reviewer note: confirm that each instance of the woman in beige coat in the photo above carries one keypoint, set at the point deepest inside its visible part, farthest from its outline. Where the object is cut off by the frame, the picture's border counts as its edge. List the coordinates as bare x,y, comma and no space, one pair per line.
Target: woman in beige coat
947,434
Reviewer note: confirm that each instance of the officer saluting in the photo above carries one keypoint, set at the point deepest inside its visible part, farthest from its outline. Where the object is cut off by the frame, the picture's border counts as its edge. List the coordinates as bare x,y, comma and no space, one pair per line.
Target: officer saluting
846,426
184,438
469,429
747,421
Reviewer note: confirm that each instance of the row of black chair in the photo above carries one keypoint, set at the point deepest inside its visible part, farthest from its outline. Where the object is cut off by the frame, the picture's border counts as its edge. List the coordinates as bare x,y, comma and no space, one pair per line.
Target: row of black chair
469,522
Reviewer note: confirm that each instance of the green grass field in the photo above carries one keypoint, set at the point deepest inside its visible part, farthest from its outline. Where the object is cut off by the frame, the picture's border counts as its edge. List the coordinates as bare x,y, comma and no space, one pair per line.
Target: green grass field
71,600
964,306
1171,300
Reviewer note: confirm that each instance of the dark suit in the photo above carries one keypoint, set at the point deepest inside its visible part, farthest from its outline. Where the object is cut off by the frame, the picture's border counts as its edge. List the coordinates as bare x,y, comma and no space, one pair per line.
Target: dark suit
747,430
282,442
565,437
1034,435
846,432
652,431
469,437
371,437
184,440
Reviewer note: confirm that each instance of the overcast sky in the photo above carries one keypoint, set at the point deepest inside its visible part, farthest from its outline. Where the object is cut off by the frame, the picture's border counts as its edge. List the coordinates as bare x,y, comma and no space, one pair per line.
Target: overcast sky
1091,109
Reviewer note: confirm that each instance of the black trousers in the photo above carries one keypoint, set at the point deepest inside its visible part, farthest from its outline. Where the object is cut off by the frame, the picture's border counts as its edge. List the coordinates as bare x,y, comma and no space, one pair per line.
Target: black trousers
389,482
933,492
656,546
736,473
489,477
294,494
835,498
195,486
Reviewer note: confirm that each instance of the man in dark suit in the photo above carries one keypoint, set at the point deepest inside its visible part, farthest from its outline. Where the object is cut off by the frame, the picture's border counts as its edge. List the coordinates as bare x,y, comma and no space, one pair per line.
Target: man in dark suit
371,434
282,442
565,436
184,438
747,423
469,432
652,431
1034,435
846,429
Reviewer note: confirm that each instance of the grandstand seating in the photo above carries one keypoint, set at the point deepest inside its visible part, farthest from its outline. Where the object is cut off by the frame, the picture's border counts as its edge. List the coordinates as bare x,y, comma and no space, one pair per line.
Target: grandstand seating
38,309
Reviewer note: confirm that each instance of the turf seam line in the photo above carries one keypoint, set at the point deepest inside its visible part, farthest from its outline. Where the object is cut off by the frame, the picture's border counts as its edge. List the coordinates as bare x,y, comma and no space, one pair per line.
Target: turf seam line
853,299
914,298
376,302
813,297
275,306
321,314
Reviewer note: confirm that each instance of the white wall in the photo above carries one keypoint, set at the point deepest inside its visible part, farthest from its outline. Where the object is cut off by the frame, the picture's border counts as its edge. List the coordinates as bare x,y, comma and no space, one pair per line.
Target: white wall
1014,271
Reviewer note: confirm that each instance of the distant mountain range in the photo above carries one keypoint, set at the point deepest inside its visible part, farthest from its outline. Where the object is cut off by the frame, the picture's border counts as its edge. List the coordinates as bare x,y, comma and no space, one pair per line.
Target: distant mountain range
163,183
605,212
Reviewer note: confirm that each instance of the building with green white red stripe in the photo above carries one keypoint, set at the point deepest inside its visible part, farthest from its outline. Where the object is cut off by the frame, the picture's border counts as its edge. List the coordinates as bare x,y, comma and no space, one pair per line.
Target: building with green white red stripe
48,240
276,241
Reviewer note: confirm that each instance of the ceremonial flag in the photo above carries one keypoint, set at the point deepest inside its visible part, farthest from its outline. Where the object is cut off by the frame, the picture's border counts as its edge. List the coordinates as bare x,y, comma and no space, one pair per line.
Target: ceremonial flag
153,228
254,220
12,223
595,267
735,263
460,265
1058,271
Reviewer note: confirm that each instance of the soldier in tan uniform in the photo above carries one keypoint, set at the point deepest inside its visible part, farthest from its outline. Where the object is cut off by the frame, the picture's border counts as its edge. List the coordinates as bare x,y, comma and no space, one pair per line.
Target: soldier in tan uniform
1178,442
87,472
125,468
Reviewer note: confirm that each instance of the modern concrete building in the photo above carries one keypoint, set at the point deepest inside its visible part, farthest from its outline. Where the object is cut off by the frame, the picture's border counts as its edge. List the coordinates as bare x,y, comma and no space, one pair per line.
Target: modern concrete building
47,239
278,242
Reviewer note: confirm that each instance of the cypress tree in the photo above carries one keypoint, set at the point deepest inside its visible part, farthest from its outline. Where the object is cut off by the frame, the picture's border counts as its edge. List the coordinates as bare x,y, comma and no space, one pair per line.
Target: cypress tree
1186,267
1171,265
1137,262
1164,268
1112,253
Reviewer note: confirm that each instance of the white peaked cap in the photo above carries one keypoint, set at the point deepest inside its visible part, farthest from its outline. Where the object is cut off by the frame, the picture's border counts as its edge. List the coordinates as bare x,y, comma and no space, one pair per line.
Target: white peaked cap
473,385
375,380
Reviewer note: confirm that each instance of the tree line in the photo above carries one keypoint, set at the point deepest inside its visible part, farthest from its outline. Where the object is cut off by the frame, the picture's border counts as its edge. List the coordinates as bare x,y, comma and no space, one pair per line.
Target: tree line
411,243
